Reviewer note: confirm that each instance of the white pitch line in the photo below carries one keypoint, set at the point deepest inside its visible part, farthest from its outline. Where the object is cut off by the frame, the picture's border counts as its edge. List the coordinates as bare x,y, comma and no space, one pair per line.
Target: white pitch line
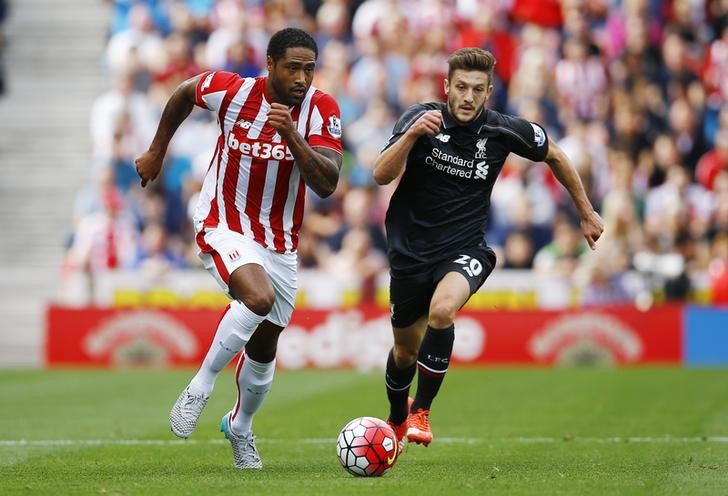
444,440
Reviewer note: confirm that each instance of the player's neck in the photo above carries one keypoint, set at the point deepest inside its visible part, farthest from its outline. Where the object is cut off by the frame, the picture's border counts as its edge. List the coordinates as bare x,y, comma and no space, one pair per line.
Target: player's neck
270,93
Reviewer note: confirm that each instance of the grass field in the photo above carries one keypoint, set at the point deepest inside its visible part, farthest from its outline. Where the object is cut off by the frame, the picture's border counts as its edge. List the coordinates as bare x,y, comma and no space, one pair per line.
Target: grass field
497,431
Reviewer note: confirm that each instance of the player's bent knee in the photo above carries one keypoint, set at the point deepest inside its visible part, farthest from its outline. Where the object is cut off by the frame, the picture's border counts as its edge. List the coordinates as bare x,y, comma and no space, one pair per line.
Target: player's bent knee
260,302
404,356
442,315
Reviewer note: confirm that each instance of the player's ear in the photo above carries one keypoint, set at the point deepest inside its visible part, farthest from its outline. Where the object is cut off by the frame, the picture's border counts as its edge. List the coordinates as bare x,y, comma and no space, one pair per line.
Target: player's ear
269,63
446,86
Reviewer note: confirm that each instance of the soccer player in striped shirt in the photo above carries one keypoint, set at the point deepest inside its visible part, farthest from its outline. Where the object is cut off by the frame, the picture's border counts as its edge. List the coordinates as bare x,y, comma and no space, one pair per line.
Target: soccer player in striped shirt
278,134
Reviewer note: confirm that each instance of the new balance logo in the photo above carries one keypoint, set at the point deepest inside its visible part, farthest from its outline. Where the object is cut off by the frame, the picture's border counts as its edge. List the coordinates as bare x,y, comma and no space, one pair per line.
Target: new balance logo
257,393
443,137
244,124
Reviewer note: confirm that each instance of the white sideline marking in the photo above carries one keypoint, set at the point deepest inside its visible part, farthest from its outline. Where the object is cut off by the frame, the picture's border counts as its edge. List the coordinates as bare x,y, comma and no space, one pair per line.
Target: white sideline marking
445,440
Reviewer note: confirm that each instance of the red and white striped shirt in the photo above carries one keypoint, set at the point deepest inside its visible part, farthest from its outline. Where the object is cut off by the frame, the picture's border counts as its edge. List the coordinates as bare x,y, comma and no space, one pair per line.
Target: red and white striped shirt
253,185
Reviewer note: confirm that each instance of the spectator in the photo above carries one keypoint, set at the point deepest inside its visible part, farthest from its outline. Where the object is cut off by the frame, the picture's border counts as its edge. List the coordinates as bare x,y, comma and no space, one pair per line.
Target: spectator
140,40
357,208
718,270
359,260
713,162
122,121
649,145
156,254
561,256
677,204
518,251
106,239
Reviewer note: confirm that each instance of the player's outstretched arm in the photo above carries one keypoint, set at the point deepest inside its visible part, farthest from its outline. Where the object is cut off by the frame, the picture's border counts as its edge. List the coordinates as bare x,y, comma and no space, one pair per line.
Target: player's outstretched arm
591,222
319,166
178,107
391,161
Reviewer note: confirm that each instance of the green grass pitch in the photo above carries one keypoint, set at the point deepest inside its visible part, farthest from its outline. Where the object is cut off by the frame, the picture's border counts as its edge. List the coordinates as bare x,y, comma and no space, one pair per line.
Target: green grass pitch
652,431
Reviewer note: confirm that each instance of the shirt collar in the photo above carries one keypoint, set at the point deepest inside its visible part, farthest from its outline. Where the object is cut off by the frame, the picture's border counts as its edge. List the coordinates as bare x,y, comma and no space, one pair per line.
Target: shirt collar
448,121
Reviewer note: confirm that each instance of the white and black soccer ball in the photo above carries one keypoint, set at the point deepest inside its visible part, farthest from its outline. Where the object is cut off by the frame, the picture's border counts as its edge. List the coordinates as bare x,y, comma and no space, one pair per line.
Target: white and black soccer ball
367,447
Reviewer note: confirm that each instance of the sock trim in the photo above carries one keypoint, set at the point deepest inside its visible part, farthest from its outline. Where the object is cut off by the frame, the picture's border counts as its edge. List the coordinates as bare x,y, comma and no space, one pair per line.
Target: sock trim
431,371
397,389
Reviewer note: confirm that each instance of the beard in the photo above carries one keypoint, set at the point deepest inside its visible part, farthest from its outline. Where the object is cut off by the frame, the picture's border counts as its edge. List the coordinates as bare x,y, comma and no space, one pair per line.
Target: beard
454,108
284,94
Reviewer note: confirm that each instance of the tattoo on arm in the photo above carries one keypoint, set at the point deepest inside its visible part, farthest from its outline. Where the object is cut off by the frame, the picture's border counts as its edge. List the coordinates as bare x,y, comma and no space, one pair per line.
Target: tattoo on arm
321,170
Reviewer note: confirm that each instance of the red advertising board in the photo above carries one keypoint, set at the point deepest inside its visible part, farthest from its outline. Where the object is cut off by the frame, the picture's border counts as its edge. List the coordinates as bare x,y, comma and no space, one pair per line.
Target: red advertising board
361,337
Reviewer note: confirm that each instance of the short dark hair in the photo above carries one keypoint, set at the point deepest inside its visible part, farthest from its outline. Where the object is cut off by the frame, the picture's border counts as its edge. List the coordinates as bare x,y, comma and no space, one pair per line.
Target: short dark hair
471,59
290,38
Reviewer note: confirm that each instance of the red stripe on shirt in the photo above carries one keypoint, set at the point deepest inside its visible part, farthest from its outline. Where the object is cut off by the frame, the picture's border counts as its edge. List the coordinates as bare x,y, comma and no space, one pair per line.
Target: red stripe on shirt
298,213
254,198
256,179
232,172
280,196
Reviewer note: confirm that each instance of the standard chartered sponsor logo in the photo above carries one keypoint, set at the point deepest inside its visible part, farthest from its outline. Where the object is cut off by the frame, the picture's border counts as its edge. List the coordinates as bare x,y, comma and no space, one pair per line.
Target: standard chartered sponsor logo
260,149
481,171
457,166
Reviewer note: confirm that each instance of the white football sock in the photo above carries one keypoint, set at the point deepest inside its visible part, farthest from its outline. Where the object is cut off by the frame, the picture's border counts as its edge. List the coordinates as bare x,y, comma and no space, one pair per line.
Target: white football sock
234,330
254,381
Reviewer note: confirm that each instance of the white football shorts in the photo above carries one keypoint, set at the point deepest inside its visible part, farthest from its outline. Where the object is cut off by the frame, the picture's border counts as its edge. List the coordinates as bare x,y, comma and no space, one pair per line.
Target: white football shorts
222,251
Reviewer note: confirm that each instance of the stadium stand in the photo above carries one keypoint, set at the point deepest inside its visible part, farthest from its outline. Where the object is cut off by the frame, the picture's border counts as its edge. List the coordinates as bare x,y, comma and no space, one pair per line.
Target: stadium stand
51,74
633,90
621,85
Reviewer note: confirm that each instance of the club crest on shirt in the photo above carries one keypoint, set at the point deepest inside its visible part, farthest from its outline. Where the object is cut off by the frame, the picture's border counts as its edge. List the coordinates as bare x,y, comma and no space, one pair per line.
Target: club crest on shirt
244,124
480,145
334,126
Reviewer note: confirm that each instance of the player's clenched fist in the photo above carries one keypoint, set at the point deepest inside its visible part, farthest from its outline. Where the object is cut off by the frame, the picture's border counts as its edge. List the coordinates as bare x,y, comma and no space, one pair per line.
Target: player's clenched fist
279,117
592,226
427,123
148,166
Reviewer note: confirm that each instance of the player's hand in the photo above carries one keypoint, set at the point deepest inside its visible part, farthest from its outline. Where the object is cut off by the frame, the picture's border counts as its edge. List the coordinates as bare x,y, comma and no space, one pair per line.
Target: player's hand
592,227
427,123
148,166
279,117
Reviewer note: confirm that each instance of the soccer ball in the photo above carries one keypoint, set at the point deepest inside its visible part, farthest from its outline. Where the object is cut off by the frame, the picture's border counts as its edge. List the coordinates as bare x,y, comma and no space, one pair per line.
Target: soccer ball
367,447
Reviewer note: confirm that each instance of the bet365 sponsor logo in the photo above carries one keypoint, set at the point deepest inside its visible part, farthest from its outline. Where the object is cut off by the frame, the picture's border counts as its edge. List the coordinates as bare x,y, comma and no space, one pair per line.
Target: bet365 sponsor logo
259,149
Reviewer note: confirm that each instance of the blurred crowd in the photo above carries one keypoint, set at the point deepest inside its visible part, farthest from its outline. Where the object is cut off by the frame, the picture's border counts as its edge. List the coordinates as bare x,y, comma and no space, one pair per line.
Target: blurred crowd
634,91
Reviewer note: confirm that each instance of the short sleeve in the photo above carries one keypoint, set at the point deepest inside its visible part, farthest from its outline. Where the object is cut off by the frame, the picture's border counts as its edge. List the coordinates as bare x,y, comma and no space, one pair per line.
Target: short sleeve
526,138
325,127
404,123
212,87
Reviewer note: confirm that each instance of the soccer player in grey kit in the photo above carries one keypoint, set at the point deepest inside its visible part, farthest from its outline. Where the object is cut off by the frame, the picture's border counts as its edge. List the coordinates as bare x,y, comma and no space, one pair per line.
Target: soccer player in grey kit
451,154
